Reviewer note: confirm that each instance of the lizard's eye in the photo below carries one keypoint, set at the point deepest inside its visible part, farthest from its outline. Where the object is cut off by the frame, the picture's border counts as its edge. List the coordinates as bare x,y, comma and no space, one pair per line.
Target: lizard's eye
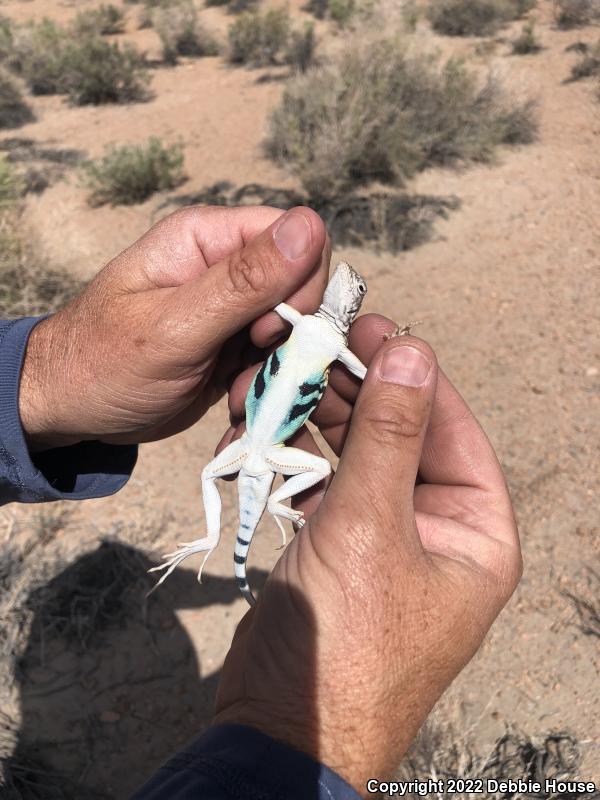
362,289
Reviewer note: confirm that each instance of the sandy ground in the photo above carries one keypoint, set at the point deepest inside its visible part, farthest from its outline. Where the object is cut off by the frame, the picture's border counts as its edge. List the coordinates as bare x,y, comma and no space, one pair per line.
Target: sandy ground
508,291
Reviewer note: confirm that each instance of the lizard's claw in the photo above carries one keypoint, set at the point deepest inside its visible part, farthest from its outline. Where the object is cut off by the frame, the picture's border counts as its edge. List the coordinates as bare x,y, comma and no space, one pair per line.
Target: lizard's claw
402,331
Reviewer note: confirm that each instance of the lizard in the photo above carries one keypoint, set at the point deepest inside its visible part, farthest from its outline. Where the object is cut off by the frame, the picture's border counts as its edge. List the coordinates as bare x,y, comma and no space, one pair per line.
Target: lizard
282,396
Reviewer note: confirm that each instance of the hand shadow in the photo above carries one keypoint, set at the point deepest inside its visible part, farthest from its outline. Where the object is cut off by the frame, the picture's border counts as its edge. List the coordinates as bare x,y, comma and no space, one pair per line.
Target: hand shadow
110,684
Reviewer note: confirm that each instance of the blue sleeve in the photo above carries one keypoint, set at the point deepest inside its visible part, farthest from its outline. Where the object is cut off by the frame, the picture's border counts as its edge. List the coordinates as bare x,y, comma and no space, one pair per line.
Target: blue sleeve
234,762
77,472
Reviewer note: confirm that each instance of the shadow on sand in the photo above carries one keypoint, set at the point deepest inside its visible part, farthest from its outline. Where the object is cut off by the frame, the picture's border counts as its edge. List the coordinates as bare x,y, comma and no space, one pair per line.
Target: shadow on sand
110,684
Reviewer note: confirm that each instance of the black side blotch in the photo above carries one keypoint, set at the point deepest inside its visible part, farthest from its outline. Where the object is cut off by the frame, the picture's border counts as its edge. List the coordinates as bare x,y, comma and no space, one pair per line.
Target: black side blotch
302,408
259,382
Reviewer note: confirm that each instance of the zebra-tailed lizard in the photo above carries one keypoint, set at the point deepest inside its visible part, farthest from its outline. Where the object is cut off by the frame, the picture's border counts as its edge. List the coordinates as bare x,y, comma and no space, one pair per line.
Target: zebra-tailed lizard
283,394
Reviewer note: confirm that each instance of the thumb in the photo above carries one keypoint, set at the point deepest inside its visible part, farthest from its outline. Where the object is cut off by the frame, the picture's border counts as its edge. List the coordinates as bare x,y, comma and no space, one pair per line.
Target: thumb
378,468
248,282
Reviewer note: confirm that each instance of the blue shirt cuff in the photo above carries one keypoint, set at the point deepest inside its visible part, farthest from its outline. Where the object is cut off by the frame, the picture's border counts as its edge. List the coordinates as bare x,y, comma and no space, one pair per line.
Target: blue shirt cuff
235,761
77,472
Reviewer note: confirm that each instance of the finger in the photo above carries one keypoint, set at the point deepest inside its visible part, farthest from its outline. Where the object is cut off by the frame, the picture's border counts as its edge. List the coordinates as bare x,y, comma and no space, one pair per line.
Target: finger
183,245
366,336
270,327
200,316
377,471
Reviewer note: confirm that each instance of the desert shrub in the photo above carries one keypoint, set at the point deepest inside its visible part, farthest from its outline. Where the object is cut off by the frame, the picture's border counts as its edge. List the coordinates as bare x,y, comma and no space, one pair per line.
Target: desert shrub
474,17
95,71
101,21
131,173
378,113
148,10
182,34
258,39
14,111
342,11
89,69
38,56
588,64
300,51
6,38
526,42
574,13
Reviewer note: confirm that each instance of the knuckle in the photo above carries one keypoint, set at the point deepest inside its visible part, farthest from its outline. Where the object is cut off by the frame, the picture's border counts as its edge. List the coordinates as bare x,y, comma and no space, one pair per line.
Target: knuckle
389,421
248,273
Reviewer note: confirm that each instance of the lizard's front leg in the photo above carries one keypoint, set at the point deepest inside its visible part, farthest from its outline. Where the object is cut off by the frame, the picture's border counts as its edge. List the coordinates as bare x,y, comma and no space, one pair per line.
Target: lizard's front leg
305,470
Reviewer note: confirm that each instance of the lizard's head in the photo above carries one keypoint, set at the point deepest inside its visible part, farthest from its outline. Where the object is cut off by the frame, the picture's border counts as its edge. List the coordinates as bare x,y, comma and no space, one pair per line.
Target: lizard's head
343,296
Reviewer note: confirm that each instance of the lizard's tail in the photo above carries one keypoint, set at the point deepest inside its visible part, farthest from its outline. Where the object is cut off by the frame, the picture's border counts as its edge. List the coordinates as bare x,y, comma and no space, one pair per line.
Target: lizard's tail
254,493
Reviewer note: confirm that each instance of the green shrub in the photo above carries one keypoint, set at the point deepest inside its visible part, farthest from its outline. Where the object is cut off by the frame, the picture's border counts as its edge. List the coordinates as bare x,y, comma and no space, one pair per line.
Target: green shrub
378,114
588,64
474,17
14,111
38,54
259,39
6,39
131,173
300,51
101,21
575,13
182,34
95,71
526,42
342,11
88,69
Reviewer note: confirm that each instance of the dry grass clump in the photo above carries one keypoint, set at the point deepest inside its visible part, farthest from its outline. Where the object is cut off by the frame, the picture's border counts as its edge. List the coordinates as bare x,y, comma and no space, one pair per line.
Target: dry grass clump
586,601
89,70
182,34
588,64
14,111
379,113
526,43
474,17
131,173
101,21
575,13
27,286
440,755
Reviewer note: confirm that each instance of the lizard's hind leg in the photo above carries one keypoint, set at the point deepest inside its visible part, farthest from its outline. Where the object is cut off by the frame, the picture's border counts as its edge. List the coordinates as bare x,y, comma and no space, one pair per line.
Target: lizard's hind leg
228,462
305,470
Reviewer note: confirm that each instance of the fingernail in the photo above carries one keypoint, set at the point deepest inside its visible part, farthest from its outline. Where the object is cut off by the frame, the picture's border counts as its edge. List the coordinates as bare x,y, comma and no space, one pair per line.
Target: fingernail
404,365
293,236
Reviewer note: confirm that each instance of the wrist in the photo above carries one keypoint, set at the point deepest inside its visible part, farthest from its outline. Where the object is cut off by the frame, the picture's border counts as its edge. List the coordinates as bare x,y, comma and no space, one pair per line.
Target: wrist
40,389
345,750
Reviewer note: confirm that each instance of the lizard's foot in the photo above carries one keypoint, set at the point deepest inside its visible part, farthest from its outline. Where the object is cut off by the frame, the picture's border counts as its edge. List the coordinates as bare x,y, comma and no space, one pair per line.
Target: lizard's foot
280,511
174,559
402,331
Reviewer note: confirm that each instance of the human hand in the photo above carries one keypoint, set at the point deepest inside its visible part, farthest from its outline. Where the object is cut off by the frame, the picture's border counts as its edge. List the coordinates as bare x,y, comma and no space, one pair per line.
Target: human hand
158,335
390,587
